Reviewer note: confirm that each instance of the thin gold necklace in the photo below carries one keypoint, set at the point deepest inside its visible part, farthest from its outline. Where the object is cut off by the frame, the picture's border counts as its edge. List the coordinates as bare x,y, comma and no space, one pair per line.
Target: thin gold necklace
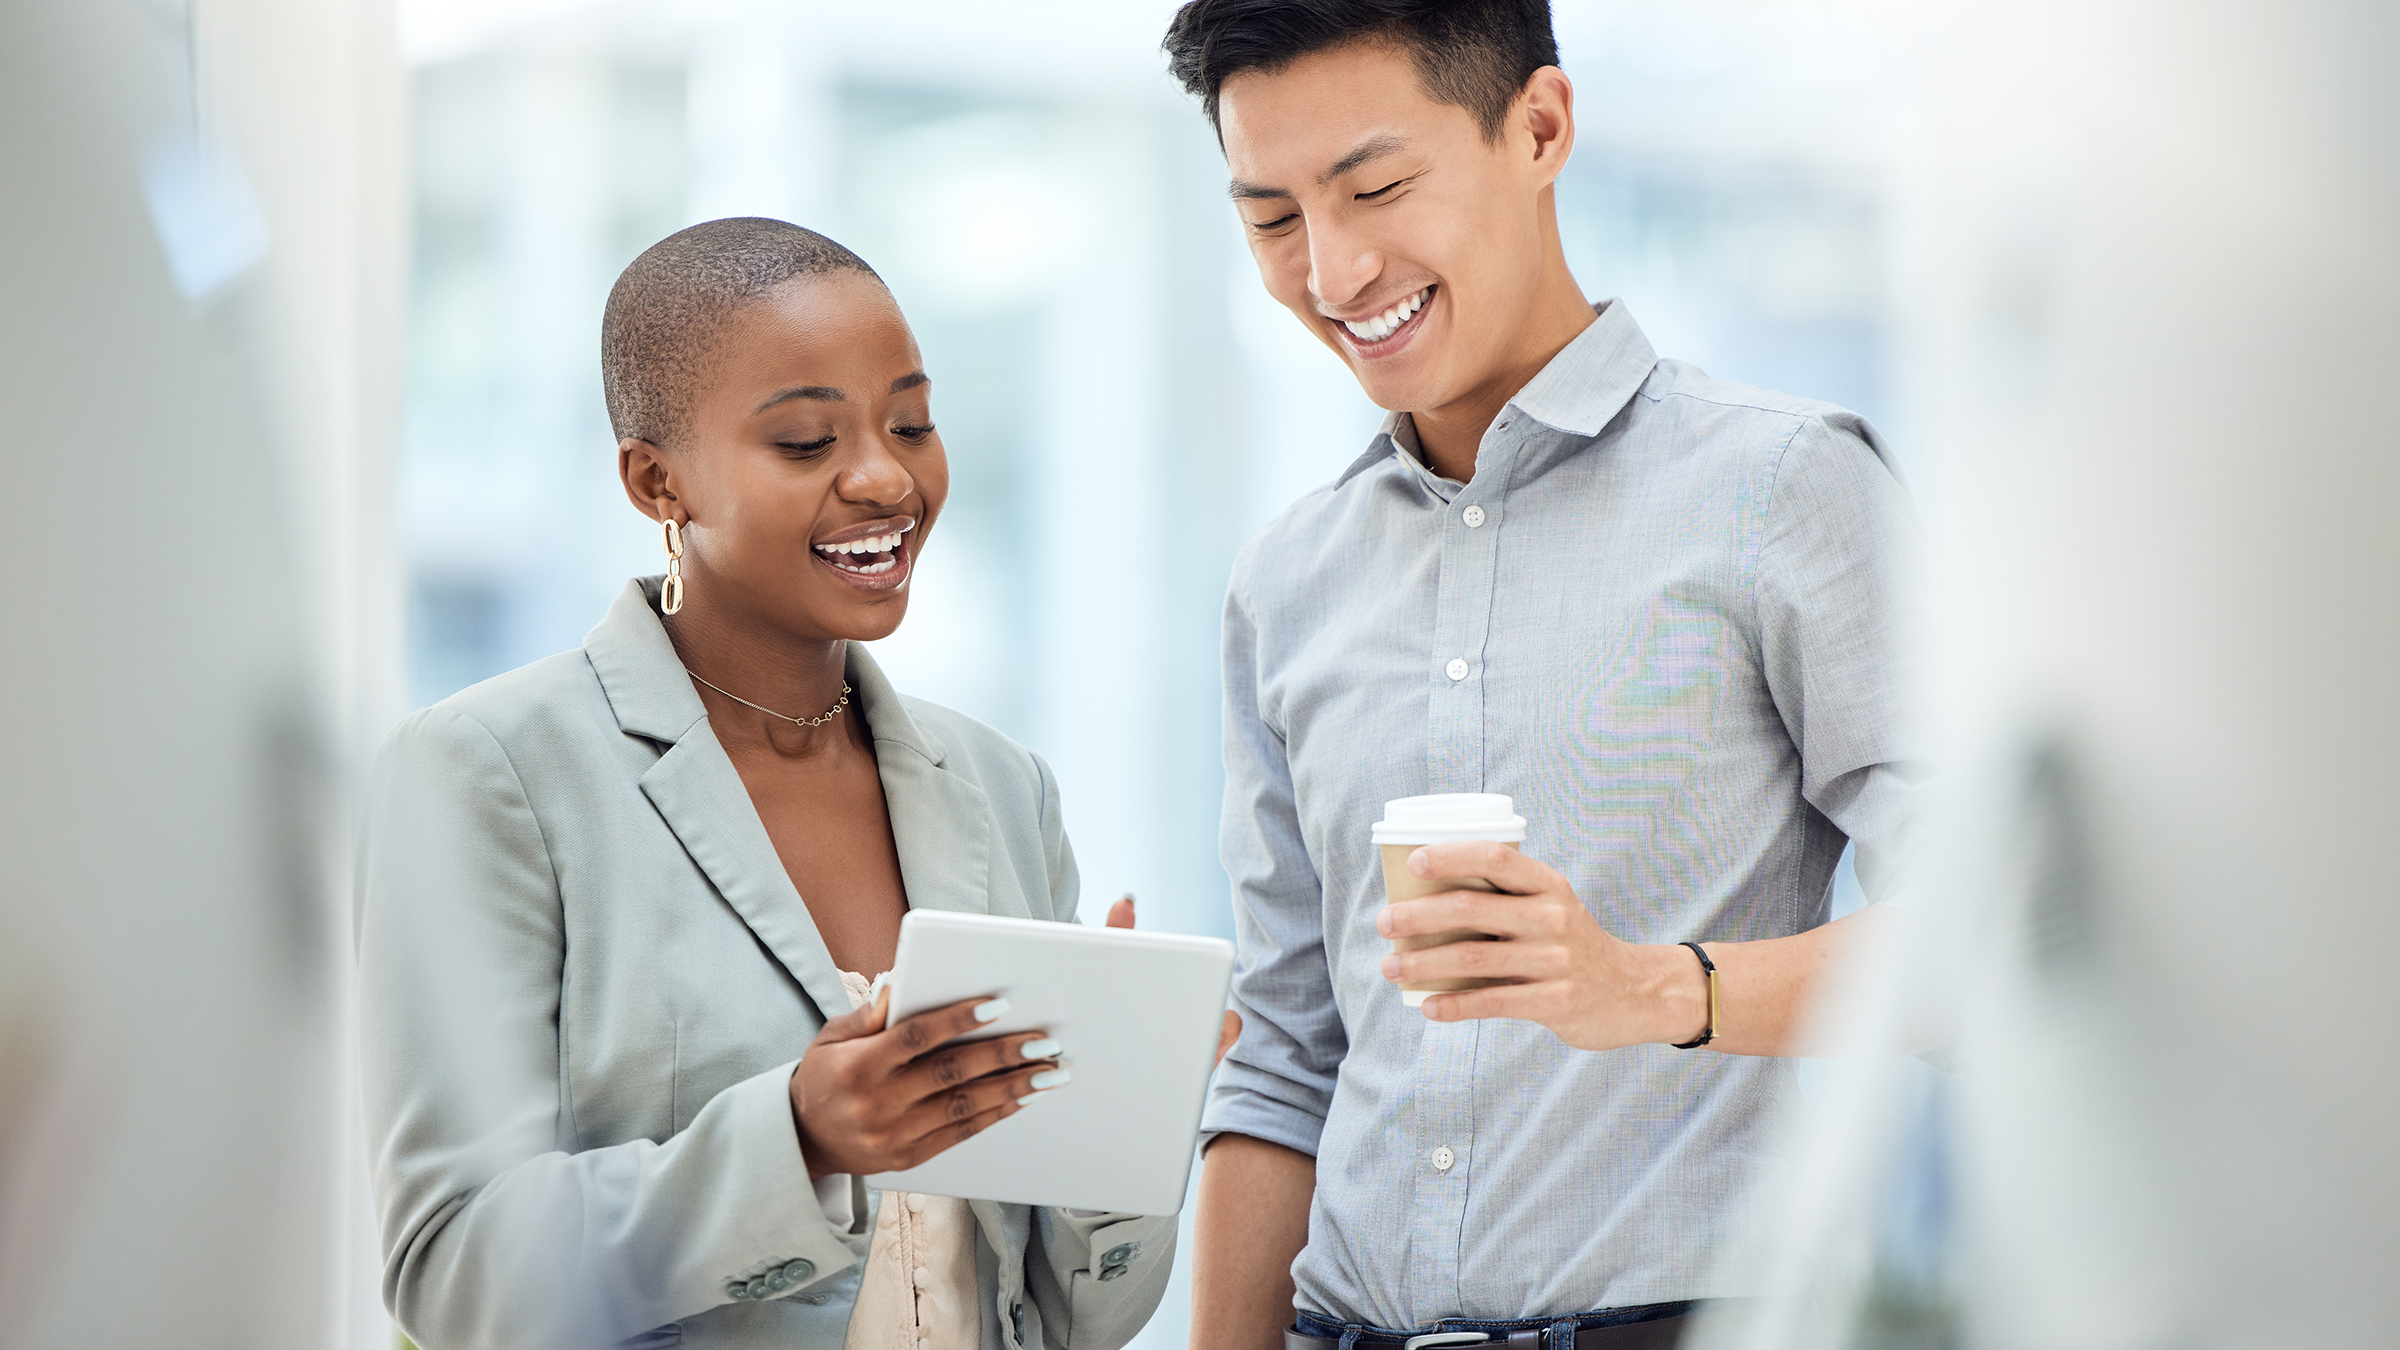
801,722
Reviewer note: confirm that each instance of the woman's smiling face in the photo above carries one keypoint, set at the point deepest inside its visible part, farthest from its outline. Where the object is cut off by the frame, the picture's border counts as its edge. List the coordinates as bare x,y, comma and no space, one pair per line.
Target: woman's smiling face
810,467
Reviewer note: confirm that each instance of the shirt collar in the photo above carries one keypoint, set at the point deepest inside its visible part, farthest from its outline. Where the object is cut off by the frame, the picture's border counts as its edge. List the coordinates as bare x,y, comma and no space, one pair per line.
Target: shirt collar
1397,439
1582,388
1591,378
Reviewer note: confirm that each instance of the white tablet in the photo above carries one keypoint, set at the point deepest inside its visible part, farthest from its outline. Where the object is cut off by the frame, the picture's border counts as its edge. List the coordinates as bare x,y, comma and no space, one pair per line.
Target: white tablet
1136,1016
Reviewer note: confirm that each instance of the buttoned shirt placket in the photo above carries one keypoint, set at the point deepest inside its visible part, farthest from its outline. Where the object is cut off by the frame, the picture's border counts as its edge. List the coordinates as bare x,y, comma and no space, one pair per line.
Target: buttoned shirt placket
1454,762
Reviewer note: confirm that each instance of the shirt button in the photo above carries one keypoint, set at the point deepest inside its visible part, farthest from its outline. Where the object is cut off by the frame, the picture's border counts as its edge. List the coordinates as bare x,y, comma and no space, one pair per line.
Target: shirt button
916,1204
924,1278
1473,515
1457,669
1442,1158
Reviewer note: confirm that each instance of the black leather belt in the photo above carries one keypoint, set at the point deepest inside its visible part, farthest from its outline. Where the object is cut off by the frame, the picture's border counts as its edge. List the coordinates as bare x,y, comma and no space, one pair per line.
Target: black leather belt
1657,1334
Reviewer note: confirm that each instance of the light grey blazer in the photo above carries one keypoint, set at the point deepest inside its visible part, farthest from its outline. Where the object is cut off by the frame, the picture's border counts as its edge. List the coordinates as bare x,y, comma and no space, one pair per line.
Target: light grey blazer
584,980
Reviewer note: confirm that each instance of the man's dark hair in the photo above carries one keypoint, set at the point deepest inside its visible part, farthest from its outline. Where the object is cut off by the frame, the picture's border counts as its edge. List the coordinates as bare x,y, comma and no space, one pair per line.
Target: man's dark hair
663,314
1472,54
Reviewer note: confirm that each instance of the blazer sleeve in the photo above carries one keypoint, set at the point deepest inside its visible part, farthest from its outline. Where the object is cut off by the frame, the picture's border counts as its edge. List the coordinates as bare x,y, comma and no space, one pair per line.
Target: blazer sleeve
1097,1278
496,1231
1058,856
1094,1277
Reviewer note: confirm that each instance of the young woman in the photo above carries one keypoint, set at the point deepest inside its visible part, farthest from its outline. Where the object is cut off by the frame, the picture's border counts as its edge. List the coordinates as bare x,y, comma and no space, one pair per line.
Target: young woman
618,906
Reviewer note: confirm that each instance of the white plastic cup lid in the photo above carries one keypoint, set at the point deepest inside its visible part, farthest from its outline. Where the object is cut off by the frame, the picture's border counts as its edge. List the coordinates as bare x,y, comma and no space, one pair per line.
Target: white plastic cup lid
1449,818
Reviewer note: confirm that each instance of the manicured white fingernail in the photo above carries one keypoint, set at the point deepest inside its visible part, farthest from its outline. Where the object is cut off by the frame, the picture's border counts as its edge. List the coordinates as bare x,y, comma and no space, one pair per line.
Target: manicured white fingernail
992,1010
1050,1078
1029,1097
1041,1049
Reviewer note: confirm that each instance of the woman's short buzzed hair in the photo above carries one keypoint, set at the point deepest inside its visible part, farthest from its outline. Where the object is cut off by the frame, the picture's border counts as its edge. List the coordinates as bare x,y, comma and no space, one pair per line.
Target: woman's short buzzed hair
1471,54
664,312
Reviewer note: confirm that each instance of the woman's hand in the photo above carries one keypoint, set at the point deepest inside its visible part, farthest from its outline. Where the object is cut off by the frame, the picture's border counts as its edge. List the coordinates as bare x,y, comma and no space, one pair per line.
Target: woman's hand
1593,990
870,1098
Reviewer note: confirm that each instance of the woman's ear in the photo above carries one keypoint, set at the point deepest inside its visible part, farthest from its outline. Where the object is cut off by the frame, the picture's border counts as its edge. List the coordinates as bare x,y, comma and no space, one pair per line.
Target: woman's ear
649,480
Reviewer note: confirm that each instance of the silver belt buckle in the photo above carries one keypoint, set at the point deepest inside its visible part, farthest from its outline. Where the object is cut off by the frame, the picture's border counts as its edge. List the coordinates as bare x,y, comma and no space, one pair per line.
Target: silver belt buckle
1431,1339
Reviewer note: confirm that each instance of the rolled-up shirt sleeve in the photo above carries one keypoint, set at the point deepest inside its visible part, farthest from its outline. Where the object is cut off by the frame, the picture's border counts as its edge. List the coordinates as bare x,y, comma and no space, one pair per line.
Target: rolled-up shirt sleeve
1277,1082
1836,559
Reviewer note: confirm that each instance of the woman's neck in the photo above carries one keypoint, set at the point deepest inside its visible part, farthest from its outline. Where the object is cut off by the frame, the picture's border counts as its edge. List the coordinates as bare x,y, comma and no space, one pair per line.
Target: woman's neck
753,663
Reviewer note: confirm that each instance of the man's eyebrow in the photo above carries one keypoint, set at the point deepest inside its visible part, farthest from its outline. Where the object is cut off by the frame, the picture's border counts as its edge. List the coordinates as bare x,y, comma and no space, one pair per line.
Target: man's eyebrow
910,381
1372,148
820,392
1366,151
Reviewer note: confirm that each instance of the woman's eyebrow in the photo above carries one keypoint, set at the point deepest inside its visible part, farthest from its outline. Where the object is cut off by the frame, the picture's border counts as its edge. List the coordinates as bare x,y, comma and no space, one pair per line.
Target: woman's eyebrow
910,381
820,392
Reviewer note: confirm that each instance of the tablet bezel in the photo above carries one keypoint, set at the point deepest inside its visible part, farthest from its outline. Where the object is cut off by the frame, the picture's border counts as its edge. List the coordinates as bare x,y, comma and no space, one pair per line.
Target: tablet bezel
1138,1014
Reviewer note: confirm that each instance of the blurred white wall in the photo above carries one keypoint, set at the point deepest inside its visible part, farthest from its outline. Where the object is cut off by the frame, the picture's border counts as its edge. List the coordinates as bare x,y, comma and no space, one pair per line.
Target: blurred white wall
199,249
2147,277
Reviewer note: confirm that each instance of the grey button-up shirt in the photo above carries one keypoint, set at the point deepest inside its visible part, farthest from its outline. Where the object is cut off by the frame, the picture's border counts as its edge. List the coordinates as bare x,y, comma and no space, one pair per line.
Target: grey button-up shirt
1660,617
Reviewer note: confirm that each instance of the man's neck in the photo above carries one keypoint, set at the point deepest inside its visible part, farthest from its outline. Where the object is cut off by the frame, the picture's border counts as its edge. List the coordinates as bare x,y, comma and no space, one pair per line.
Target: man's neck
1448,436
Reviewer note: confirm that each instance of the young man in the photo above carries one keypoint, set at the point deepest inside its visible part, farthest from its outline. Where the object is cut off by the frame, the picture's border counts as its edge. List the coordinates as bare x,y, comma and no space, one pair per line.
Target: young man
1652,607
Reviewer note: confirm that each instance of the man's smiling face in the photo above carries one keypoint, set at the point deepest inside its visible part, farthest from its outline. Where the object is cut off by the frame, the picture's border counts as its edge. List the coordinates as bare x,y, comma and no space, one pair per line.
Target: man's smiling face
1386,222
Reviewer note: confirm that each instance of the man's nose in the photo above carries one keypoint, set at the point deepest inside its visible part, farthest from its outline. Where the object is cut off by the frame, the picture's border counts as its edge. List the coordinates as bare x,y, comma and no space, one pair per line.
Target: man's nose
1340,264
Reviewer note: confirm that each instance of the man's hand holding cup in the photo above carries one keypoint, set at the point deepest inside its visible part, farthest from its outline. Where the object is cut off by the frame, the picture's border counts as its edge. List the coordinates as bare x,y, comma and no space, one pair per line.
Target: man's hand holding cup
1551,961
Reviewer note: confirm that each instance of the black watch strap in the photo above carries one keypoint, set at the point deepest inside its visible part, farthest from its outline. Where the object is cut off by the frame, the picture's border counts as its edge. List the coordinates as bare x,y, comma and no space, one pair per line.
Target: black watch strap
1708,969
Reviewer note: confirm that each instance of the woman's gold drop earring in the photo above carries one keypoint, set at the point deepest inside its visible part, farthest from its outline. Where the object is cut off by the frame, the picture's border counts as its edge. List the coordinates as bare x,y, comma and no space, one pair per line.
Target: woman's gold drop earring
670,595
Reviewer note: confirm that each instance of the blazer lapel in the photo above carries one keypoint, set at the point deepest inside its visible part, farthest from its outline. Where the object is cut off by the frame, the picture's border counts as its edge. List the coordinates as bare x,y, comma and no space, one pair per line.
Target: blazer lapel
699,793
941,823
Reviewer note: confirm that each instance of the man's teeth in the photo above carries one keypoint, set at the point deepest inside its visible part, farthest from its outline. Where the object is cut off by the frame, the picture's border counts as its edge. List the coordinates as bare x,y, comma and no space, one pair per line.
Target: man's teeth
881,543
1387,323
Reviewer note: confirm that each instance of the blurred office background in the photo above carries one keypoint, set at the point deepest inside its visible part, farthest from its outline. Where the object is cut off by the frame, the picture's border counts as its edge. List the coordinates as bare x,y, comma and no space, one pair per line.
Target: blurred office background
1122,402
358,252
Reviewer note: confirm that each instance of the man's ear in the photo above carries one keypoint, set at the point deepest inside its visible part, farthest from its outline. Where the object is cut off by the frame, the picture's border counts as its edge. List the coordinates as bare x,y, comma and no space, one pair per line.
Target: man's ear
1546,110
649,480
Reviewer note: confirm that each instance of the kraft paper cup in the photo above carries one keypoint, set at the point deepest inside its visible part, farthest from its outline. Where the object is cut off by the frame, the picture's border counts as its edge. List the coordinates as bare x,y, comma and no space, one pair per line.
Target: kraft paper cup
1443,818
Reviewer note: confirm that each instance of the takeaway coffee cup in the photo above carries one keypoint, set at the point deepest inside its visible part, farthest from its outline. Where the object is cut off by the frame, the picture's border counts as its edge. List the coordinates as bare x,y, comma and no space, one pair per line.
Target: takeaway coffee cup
1443,818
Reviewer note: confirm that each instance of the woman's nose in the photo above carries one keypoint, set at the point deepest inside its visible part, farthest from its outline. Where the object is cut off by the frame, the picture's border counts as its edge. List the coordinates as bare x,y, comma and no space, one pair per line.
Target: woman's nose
876,478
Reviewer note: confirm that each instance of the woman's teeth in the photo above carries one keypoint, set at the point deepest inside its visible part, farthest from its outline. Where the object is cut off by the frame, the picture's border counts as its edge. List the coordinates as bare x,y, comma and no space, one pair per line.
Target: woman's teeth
886,544
1387,323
